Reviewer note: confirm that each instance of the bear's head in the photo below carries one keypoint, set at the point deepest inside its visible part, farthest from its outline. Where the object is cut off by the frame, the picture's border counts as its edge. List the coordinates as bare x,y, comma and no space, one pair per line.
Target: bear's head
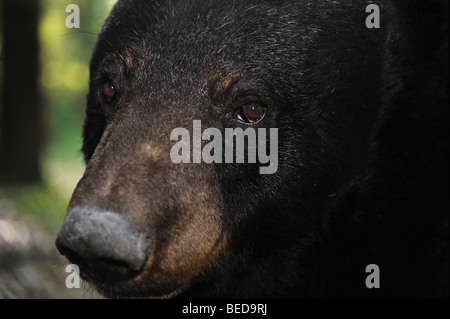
143,224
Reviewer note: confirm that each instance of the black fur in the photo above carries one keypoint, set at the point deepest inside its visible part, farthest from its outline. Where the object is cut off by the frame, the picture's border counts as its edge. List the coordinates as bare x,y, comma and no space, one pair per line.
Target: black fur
363,123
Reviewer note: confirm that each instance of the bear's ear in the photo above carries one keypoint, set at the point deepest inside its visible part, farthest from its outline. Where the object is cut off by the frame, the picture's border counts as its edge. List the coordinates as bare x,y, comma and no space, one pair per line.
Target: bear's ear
418,54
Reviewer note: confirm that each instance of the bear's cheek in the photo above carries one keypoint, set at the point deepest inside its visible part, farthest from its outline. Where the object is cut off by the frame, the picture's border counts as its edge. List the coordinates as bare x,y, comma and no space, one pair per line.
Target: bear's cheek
198,247
189,244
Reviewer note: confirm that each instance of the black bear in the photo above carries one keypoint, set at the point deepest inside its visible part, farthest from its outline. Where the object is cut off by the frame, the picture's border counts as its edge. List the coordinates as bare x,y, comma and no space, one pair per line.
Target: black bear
358,171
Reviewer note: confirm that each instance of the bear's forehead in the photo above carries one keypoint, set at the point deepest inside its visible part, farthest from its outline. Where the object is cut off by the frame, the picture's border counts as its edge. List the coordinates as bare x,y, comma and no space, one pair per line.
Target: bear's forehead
215,44
198,24
211,35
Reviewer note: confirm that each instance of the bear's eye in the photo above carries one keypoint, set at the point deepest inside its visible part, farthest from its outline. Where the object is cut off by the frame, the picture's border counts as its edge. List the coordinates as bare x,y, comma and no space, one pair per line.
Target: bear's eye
251,113
108,90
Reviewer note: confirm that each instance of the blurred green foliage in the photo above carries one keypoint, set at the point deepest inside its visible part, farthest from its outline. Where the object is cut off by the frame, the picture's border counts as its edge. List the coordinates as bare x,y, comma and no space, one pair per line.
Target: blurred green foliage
64,56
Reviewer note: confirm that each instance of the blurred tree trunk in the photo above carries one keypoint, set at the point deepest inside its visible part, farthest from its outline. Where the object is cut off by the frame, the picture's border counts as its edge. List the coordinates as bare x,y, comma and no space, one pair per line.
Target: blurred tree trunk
21,101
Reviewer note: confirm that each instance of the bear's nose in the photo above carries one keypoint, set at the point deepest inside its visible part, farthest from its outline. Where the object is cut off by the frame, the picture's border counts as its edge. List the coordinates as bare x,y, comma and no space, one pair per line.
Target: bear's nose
103,244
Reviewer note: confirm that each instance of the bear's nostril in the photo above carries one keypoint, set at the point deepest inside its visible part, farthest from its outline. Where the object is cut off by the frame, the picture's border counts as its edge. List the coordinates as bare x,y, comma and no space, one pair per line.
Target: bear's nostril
103,244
